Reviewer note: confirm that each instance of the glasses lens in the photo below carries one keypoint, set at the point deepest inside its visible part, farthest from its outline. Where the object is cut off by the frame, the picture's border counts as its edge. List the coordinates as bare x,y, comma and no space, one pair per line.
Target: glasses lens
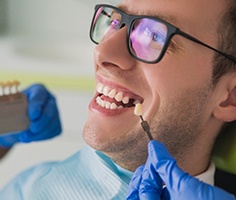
147,39
106,21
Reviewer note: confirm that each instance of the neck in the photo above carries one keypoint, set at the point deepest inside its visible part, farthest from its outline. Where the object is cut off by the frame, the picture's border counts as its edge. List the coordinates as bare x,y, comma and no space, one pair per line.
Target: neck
129,161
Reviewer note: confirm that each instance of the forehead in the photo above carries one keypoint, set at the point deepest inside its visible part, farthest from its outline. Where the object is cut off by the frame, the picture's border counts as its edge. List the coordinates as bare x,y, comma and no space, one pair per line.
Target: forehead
168,18
195,16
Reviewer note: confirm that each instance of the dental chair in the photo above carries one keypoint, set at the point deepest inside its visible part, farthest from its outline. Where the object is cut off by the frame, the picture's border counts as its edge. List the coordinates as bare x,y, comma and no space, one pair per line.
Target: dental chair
224,157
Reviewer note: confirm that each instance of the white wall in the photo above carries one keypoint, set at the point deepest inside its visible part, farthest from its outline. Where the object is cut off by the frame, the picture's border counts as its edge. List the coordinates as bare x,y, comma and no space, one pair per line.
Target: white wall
51,18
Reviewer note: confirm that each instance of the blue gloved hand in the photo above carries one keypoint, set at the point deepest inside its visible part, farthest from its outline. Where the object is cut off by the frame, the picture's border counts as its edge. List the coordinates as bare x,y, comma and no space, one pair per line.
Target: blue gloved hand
44,118
161,167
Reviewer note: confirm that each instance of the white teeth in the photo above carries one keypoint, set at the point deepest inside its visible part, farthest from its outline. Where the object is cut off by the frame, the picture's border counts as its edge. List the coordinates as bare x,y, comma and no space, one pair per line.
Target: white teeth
106,90
120,107
100,87
106,104
125,100
98,100
119,96
111,93
113,106
103,103
136,102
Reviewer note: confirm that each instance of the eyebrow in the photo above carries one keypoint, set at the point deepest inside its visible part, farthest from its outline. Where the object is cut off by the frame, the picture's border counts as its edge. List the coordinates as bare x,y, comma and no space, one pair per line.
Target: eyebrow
168,18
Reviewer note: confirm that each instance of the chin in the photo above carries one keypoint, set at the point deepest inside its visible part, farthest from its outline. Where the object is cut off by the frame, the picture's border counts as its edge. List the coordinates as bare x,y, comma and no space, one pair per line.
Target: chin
96,137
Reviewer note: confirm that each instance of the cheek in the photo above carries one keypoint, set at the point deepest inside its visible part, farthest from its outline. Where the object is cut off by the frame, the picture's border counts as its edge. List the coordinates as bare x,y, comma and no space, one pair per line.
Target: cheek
174,77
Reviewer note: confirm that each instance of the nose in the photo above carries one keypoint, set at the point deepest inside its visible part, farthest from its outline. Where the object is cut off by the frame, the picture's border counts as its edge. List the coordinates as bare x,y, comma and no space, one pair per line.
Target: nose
113,51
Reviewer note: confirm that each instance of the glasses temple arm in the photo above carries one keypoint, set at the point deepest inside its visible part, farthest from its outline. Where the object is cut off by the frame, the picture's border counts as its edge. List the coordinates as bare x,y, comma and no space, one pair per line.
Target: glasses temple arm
232,58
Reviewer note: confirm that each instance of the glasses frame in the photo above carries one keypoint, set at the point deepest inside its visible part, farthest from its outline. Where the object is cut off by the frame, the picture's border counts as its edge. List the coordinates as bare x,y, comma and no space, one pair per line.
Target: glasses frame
128,20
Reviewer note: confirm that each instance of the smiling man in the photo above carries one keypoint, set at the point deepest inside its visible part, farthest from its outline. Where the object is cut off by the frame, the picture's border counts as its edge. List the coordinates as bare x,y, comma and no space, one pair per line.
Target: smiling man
174,57
185,105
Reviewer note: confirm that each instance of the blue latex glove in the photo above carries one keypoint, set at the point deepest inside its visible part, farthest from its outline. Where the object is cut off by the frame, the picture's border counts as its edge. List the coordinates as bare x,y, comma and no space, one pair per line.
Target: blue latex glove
44,118
147,181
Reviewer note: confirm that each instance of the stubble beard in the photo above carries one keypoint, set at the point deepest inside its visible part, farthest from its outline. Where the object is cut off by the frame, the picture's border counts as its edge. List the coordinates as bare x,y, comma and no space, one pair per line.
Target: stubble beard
182,127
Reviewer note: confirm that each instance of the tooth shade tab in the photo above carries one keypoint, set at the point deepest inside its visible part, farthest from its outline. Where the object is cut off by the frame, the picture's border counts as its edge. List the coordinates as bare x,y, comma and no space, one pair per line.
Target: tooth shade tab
138,111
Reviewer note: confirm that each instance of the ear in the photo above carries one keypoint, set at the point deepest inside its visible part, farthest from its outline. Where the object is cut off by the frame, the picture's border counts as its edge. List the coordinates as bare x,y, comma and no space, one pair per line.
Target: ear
226,108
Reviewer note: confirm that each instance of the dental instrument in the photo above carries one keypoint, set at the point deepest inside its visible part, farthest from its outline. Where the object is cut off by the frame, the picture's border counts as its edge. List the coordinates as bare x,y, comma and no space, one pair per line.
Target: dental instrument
138,111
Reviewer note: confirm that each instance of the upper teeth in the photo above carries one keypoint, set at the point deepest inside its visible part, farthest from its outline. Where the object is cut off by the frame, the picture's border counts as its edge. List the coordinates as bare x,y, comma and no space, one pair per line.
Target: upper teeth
113,94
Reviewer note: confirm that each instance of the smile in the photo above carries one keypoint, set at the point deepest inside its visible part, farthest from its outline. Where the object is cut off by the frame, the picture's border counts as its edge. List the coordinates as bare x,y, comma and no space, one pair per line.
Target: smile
112,98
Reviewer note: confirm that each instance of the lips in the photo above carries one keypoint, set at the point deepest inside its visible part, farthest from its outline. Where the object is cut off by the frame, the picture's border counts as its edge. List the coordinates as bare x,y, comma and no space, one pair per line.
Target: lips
114,98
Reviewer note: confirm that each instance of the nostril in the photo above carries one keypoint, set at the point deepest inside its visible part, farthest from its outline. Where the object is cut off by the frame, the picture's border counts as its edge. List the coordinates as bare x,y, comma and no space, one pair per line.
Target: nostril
122,25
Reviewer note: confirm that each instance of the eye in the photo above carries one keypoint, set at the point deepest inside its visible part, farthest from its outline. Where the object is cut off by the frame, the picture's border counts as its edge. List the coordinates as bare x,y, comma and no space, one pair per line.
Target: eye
155,36
158,37
115,23
115,20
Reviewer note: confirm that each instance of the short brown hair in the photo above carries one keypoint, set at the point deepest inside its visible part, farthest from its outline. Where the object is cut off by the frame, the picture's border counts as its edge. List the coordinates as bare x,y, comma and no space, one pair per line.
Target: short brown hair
227,43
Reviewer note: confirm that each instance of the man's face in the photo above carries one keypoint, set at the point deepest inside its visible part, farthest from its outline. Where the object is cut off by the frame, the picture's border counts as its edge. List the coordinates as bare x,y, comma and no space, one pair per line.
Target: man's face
176,93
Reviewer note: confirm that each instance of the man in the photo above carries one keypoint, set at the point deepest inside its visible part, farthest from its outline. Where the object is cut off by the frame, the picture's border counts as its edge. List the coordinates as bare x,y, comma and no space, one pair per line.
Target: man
185,80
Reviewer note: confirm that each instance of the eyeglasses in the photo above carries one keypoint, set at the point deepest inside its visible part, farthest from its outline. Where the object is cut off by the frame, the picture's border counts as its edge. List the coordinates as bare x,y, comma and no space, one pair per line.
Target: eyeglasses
147,37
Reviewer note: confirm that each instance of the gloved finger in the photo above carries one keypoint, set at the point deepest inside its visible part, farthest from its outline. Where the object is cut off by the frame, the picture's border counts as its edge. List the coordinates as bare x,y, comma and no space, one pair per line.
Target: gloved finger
165,165
37,96
49,114
151,184
7,141
133,193
24,136
180,184
52,131
165,194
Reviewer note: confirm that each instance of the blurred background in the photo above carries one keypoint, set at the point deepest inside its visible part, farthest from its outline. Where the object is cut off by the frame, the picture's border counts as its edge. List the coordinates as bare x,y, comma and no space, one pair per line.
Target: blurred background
47,42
